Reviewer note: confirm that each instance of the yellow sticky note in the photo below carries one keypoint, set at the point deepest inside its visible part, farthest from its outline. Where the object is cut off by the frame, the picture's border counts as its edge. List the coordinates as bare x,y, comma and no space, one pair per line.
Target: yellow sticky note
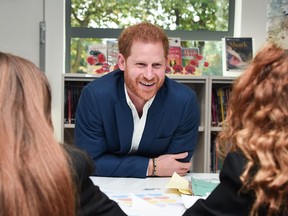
179,183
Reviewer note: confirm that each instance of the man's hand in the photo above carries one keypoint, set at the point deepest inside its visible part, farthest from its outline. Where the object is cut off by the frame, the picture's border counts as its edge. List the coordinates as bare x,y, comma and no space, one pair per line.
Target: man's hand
167,164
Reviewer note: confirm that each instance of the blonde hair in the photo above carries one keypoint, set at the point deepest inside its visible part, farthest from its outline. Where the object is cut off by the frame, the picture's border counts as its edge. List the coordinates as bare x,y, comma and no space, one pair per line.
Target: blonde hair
35,177
257,125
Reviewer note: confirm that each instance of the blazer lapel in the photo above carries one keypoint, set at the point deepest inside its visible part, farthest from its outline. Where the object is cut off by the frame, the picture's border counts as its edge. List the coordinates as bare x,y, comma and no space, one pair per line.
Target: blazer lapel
155,114
125,124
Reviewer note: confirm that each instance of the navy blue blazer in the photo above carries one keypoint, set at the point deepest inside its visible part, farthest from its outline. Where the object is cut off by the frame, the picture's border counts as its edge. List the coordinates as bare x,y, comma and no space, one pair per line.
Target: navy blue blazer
104,125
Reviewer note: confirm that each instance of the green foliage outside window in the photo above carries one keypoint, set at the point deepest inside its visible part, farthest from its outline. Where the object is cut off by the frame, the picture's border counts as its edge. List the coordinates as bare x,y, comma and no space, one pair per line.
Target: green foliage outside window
170,14
185,16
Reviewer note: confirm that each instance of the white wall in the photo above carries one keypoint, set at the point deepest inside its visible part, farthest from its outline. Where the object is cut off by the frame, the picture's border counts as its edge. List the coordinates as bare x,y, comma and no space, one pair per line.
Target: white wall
19,27
55,59
252,17
19,34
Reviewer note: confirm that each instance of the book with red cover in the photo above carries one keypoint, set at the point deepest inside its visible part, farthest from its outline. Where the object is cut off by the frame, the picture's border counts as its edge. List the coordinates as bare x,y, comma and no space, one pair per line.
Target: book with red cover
175,60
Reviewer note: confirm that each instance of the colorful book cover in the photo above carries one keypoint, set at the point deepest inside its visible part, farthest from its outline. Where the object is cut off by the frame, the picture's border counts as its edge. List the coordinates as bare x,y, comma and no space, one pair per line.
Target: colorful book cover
190,60
175,60
112,54
97,59
237,54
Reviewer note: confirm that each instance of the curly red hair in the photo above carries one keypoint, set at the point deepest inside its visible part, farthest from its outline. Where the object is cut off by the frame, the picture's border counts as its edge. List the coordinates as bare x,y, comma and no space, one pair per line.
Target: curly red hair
257,125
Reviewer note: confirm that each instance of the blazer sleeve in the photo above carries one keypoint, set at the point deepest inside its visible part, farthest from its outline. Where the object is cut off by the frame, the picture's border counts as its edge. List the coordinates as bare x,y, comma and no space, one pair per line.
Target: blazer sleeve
90,199
226,199
90,135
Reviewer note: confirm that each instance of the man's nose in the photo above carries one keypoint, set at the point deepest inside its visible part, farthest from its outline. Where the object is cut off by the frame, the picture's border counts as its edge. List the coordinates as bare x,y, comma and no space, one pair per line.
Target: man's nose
149,73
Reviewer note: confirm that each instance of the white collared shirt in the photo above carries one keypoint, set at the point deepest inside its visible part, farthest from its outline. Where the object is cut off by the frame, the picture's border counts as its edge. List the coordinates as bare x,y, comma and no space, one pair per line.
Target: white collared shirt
139,123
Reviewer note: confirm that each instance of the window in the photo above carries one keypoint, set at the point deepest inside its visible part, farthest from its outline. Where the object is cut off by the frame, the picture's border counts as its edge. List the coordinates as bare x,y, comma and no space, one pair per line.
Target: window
199,23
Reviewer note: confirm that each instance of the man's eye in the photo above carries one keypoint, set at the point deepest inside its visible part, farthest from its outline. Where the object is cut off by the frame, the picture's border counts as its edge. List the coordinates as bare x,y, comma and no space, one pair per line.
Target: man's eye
140,64
157,65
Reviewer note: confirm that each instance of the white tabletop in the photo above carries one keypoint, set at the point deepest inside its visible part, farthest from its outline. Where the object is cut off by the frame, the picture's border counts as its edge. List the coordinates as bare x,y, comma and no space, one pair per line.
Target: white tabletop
147,196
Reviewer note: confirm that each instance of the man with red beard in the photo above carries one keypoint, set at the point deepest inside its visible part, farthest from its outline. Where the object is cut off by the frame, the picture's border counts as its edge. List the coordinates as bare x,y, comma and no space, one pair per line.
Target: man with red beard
135,121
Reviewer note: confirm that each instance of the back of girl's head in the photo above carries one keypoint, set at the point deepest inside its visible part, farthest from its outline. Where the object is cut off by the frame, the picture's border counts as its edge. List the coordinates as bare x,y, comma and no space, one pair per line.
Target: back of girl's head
257,125
32,163
25,95
143,32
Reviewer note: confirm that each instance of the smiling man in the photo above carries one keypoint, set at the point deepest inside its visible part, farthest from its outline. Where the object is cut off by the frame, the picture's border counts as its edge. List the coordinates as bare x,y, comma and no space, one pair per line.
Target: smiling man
135,121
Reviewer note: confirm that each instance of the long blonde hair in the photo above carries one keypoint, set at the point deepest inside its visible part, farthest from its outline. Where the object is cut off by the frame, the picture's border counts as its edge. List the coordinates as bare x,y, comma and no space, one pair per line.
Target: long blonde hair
35,176
257,125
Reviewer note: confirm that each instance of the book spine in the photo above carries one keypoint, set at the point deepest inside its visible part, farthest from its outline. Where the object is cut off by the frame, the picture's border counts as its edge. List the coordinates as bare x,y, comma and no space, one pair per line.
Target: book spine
69,106
222,104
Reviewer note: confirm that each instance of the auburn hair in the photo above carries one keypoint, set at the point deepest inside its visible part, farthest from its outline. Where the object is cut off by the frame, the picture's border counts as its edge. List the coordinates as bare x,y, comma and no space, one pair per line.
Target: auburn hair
257,125
143,32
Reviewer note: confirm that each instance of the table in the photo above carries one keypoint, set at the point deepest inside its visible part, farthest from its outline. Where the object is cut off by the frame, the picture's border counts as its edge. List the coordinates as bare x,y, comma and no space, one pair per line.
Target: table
149,196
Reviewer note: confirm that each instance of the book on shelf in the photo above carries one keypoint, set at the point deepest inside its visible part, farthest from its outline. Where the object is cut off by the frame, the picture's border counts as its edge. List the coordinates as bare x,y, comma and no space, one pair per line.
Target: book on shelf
174,60
212,154
221,101
112,54
97,59
190,60
68,104
71,96
216,161
219,104
237,53
214,115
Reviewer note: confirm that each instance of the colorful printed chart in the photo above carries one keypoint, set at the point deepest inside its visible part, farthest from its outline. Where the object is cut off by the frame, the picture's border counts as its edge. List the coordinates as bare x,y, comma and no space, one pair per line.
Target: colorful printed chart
148,196
159,199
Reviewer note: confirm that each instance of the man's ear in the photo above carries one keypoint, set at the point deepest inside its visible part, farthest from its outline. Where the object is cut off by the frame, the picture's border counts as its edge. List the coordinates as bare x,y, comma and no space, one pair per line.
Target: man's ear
121,62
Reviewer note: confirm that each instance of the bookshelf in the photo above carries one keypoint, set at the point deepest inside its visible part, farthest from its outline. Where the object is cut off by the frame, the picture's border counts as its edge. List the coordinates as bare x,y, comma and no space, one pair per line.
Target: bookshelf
202,85
216,83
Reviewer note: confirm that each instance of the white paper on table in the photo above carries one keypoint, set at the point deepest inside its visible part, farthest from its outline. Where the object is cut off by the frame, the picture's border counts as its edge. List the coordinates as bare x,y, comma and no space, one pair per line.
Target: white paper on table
141,207
188,201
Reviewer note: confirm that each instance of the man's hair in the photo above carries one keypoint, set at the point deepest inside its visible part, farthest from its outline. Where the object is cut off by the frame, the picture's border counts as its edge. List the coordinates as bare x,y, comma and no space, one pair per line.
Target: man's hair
144,32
